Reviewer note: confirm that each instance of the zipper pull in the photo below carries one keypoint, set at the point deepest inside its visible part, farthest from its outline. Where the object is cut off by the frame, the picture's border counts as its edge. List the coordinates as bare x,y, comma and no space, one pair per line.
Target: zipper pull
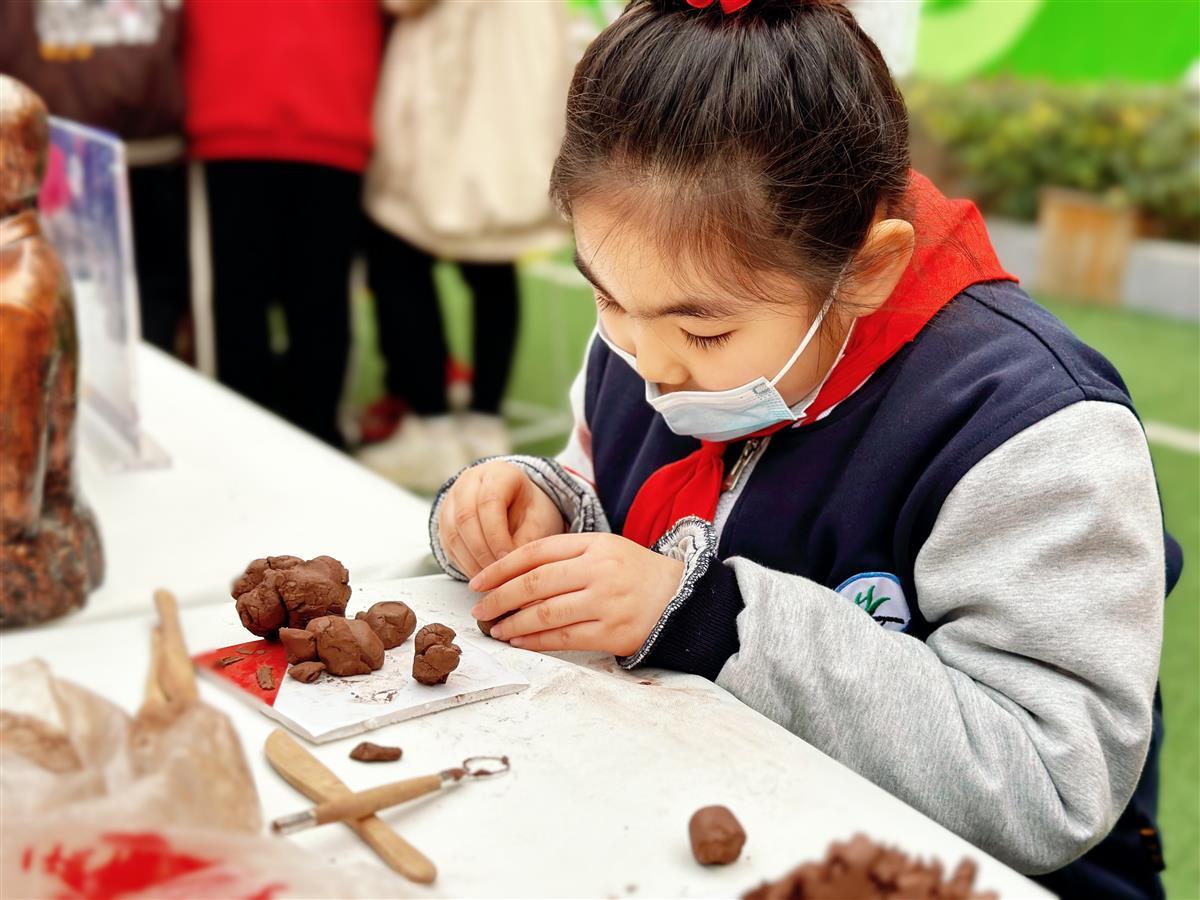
748,450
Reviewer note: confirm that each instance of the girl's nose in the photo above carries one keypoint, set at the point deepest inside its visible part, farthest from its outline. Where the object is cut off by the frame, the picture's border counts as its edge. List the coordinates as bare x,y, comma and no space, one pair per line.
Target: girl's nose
656,363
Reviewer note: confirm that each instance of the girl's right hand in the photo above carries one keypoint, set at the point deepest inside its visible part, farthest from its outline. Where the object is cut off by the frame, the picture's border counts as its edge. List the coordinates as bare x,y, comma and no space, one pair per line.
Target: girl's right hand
491,510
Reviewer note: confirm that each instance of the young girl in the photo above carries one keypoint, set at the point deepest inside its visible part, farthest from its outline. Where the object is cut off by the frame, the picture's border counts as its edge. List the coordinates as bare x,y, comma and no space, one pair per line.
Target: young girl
828,453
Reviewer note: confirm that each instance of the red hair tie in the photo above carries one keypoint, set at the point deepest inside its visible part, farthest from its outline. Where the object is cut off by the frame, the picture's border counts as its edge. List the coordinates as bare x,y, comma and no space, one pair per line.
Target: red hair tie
727,6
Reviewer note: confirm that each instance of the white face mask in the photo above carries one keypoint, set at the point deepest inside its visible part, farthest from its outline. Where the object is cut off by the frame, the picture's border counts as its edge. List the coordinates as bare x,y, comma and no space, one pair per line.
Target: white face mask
725,415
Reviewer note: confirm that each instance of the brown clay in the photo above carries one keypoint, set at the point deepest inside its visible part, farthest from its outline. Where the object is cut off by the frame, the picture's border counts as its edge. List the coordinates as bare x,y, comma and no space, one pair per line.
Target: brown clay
50,555
716,835
368,752
862,868
226,661
299,644
392,620
347,646
436,654
266,678
285,591
485,625
435,633
307,672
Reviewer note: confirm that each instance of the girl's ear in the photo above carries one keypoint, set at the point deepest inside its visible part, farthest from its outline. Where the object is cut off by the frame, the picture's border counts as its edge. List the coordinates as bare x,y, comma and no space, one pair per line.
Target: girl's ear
878,267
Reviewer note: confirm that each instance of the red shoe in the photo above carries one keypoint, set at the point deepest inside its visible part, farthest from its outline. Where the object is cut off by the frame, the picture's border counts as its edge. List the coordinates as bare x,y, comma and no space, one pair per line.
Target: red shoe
381,418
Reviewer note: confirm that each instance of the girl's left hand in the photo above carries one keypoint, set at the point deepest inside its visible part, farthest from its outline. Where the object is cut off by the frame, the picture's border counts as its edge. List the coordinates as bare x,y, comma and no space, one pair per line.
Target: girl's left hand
578,592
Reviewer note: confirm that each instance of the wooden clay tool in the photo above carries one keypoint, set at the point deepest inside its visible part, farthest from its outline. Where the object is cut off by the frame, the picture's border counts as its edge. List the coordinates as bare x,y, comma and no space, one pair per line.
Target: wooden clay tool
309,776
364,803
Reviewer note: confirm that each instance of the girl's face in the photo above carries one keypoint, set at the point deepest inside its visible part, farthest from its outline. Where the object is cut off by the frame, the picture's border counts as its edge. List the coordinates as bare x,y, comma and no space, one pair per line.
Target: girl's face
688,332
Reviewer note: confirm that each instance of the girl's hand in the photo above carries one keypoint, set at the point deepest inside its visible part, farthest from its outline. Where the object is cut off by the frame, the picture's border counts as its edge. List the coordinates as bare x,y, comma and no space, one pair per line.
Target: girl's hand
491,510
578,592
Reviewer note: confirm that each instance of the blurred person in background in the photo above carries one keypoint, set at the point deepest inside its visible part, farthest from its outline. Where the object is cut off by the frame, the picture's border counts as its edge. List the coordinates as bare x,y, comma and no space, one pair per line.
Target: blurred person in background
468,119
279,101
115,65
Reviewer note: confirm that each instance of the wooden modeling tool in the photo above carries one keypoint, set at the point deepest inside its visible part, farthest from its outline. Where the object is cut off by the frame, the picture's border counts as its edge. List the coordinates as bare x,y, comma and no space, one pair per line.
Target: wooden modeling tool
365,803
309,776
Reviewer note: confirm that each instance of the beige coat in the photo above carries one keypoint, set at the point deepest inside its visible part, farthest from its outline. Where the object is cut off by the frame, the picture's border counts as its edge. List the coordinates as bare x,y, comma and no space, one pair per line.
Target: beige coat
468,119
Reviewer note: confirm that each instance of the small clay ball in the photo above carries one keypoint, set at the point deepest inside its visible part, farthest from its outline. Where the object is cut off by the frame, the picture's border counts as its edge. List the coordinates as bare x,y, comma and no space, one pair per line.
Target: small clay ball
717,836
307,672
299,644
432,634
436,663
485,625
392,620
347,646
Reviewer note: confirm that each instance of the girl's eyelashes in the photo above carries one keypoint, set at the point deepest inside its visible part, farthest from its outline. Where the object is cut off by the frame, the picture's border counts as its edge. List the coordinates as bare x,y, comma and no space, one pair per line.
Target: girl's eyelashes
699,341
707,342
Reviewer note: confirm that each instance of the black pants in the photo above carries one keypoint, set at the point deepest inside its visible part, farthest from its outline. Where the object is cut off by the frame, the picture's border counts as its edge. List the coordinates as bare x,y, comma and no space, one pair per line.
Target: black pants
158,196
284,232
412,337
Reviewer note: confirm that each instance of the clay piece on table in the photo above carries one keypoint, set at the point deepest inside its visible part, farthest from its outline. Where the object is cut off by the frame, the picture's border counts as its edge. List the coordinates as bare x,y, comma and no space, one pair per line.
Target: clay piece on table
347,646
287,592
266,678
485,625
717,836
308,672
392,620
299,644
368,752
860,868
436,654
226,661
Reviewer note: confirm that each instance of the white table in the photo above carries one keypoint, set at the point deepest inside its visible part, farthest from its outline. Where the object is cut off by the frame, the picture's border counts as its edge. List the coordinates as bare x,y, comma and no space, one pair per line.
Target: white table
242,483
606,770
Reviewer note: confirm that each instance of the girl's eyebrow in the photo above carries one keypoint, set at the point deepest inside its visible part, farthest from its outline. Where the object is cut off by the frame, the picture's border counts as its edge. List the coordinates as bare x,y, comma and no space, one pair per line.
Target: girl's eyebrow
693,309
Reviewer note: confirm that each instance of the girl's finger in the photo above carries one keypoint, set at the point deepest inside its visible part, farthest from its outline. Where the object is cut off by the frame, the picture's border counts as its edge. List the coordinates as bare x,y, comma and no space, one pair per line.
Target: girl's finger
550,580
530,556
496,494
580,636
462,556
554,612
447,532
466,523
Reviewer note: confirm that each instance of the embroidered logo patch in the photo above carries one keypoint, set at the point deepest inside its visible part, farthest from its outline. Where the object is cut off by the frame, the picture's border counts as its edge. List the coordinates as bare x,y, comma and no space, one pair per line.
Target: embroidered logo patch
880,596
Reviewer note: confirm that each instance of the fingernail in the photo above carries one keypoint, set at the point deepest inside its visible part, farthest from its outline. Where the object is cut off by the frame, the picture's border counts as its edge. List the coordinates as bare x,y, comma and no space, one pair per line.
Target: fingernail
477,610
516,642
473,584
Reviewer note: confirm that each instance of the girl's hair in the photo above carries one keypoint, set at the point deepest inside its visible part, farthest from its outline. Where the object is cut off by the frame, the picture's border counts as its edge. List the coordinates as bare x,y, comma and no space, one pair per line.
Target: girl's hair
774,133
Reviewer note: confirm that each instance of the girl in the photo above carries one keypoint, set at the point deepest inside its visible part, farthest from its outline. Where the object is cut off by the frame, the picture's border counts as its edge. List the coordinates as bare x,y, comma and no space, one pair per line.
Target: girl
829,455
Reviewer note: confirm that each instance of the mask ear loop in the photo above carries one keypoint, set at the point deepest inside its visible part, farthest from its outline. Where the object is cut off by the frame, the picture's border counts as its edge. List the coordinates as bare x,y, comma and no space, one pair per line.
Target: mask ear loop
812,329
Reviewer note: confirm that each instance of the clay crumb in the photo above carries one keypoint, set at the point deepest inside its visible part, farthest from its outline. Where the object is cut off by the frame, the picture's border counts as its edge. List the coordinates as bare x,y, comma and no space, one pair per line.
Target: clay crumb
245,651
368,752
645,682
266,678
226,661
260,651
307,672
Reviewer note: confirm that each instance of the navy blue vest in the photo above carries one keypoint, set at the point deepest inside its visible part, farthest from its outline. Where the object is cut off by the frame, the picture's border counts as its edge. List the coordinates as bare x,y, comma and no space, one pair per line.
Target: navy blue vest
859,491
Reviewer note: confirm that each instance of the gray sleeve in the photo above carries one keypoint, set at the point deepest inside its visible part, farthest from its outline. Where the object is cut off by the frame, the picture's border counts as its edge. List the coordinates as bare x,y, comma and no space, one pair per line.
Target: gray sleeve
1023,723
575,498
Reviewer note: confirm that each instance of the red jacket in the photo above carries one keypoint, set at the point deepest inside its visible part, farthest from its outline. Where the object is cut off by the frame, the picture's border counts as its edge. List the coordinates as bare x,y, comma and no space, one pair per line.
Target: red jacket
282,79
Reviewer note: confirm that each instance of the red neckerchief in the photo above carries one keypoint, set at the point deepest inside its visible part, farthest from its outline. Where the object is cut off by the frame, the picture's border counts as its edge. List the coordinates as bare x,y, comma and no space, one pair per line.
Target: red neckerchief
952,253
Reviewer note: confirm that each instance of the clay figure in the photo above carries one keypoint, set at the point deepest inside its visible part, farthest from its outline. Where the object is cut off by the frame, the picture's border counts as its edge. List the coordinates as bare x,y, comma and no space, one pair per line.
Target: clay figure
50,554
436,654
